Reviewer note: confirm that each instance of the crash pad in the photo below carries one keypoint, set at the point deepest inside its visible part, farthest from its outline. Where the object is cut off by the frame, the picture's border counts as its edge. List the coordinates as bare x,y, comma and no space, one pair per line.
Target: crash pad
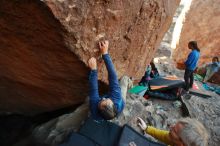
79,140
163,95
200,93
129,136
195,86
198,77
103,132
137,89
164,83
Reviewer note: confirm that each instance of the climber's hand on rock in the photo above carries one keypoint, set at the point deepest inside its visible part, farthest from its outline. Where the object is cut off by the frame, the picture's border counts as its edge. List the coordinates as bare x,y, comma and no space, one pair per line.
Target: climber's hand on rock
103,46
141,123
92,63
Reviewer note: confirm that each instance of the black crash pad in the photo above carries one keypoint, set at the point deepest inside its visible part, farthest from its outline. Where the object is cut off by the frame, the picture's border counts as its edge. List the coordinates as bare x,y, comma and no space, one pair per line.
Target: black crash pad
164,83
198,90
77,139
104,133
200,93
129,135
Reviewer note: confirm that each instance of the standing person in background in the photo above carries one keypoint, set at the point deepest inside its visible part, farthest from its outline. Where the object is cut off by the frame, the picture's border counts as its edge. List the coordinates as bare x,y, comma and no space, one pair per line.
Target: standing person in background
191,64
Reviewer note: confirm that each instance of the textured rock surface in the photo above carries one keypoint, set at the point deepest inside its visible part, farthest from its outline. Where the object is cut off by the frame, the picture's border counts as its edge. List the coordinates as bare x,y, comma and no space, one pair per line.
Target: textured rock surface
206,110
38,72
201,24
134,29
46,44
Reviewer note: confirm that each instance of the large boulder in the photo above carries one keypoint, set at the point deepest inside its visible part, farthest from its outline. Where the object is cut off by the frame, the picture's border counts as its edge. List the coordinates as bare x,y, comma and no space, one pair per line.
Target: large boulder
202,23
45,46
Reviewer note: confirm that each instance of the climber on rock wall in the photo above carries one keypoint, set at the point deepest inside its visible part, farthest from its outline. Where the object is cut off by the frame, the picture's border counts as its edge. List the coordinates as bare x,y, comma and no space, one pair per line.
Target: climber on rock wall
108,106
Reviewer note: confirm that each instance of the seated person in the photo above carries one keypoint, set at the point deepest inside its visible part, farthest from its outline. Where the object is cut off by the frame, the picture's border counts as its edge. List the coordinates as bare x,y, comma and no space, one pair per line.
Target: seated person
151,72
154,72
208,70
146,78
109,106
211,68
186,132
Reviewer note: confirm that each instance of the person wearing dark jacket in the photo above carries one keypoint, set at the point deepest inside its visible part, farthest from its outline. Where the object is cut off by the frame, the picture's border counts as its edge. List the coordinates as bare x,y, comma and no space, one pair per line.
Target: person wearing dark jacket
110,105
191,64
